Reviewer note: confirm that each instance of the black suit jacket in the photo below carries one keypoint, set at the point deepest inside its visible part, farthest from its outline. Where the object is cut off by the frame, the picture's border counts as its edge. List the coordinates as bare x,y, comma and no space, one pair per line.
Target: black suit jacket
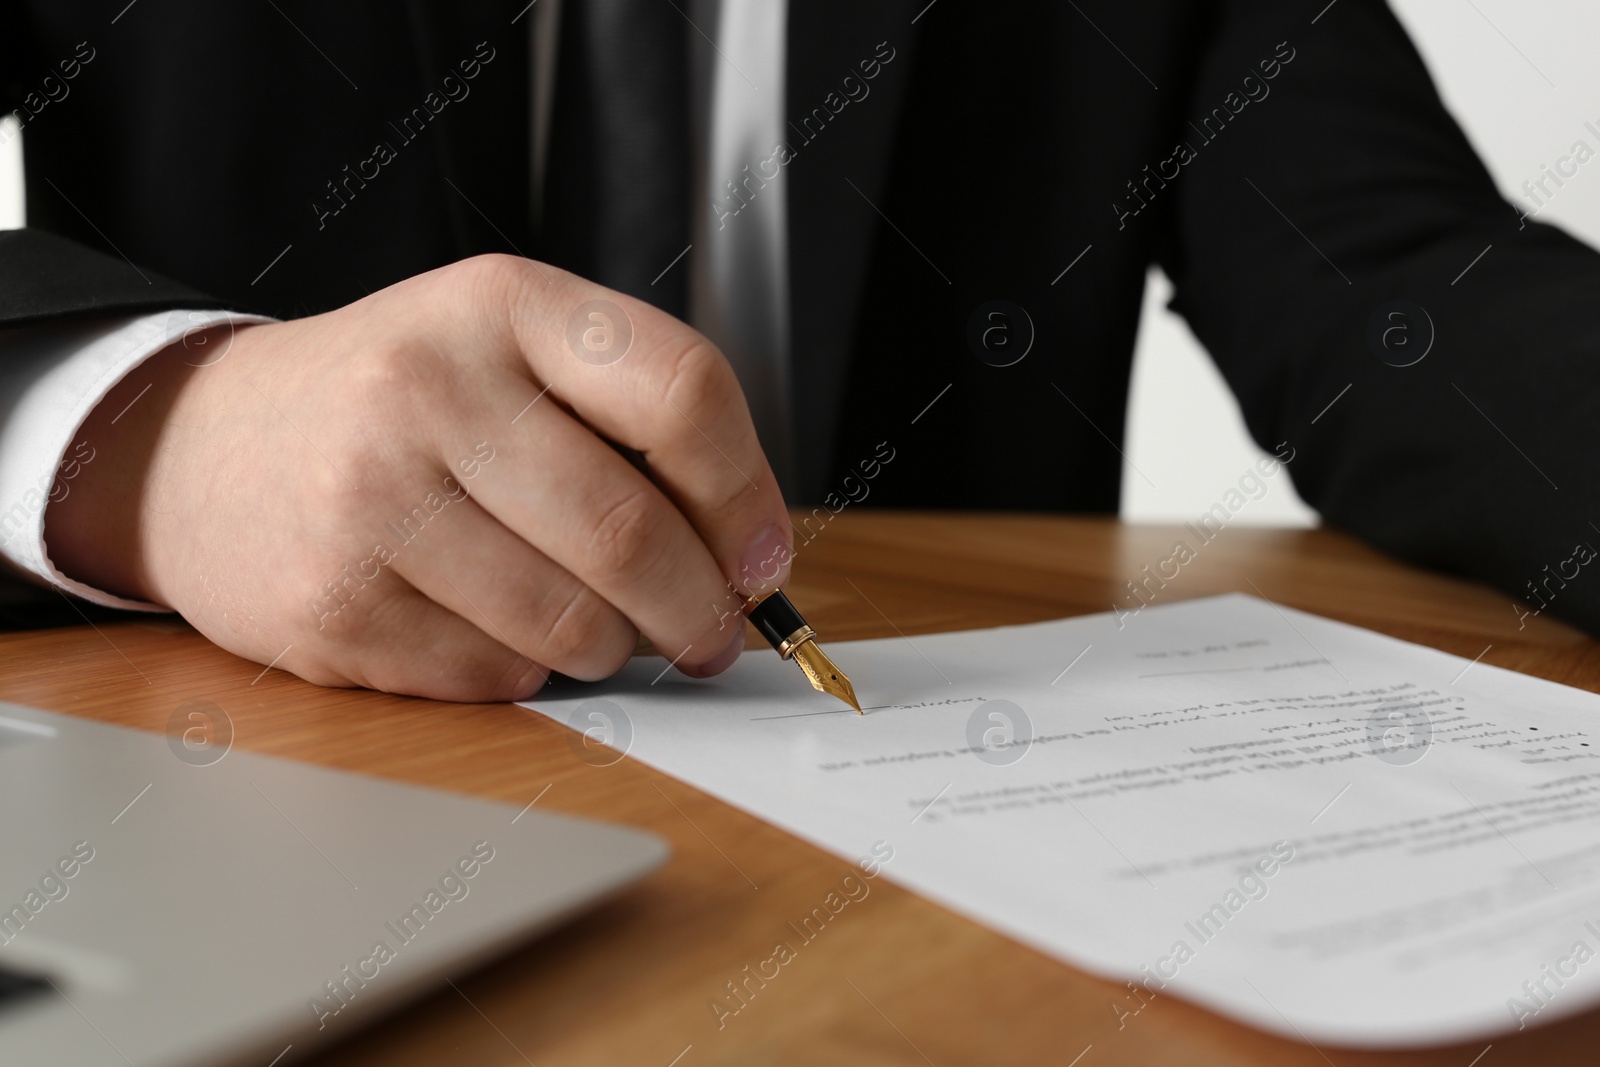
1288,163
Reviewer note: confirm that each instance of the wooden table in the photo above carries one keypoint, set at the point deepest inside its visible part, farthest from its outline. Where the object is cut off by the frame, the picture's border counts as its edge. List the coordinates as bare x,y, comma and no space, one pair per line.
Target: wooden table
902,981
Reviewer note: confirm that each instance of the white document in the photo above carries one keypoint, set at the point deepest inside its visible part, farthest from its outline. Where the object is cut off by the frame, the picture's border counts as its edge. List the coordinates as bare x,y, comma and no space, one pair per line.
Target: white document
1312,828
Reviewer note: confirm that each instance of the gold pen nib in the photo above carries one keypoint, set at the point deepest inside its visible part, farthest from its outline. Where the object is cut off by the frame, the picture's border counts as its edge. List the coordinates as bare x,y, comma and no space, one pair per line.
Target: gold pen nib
824,675
788,633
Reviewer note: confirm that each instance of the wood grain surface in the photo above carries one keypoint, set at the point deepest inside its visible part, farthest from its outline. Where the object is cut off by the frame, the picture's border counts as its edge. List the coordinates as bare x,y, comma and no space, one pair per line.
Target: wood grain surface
896,979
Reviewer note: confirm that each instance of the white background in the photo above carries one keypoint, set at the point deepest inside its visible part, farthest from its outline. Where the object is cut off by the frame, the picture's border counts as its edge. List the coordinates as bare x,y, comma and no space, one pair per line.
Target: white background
1522,79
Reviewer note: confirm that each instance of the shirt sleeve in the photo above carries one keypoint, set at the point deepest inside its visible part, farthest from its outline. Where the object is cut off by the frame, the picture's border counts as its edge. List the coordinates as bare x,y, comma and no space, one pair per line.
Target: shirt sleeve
51,377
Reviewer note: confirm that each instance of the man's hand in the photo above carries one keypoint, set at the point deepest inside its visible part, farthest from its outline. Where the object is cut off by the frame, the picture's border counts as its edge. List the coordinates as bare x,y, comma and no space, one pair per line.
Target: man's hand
412,493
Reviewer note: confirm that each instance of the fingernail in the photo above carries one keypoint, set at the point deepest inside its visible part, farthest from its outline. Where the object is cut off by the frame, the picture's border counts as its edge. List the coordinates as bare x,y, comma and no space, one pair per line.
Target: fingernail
722,660
765,566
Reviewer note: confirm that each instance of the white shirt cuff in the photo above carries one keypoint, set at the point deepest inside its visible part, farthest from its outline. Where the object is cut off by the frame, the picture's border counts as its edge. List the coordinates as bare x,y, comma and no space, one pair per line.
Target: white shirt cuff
51,377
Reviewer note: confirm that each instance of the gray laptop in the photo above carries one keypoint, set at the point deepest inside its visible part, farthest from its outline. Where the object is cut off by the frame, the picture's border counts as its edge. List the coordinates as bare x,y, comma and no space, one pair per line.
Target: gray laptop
169,902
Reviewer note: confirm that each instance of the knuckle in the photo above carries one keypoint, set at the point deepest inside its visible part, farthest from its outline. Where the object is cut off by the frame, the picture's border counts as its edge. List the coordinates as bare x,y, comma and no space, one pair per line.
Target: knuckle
493,275
573,629
698,381
584,636
351,493
627,534
480,670
385,385
488,267
326,487
344,484
341,615
391,370
498,673
523,679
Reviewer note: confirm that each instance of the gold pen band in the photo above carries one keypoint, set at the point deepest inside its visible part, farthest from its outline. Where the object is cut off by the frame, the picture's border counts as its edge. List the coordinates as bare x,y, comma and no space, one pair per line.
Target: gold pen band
786,631
787,646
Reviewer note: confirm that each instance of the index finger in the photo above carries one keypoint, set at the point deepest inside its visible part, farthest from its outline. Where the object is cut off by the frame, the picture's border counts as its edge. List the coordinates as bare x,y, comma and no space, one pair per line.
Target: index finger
647,381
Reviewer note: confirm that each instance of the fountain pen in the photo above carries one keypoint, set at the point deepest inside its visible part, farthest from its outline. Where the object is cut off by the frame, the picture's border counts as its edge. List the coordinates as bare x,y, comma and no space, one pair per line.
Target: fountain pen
787,632
778,622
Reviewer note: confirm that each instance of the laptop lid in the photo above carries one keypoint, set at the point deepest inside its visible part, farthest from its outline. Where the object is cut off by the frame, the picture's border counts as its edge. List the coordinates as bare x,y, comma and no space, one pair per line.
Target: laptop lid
162,903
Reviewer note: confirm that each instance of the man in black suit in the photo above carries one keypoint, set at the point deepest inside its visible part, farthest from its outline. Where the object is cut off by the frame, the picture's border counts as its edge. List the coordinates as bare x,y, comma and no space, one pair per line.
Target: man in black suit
927,273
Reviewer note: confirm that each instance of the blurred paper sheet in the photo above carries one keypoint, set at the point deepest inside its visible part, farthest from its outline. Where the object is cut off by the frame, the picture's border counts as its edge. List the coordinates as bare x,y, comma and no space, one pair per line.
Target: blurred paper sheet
1315,829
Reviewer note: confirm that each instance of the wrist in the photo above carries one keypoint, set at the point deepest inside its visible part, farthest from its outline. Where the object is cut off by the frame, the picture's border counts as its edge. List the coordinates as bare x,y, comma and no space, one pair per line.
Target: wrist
97,529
